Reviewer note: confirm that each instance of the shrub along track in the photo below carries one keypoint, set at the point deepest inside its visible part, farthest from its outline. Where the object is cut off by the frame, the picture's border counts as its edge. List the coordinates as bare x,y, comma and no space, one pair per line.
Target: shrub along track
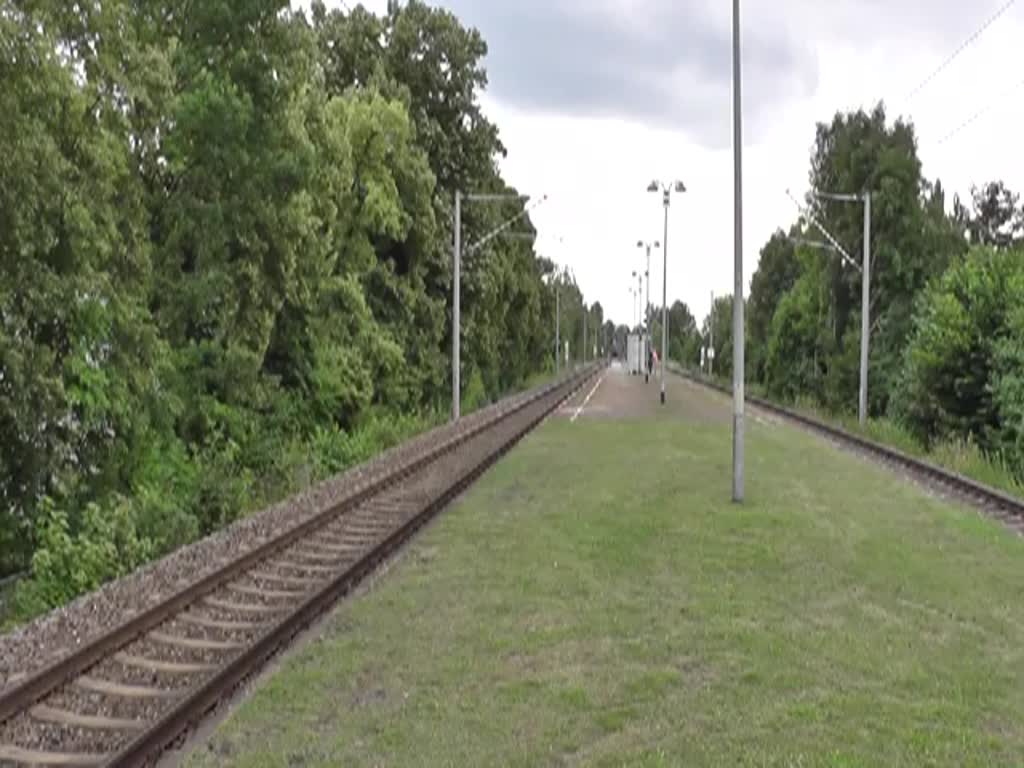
126,694
1002,506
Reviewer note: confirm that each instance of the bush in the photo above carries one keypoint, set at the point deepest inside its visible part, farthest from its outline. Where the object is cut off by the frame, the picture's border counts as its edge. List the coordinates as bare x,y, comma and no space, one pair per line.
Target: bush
164,499
961,362
334,450
68,563
224,487
474,393
791,360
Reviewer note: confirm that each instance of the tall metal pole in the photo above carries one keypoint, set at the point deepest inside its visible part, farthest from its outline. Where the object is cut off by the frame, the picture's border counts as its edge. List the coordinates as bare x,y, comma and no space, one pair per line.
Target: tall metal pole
456,320
639,301
558,330
457,279
640,337
584,333
865,313
664,299
865,273
711,335
738,394
647,305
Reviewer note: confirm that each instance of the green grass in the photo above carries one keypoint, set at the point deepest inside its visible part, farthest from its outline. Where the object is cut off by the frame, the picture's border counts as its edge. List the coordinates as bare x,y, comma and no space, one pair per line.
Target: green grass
960,456
596,600
963,457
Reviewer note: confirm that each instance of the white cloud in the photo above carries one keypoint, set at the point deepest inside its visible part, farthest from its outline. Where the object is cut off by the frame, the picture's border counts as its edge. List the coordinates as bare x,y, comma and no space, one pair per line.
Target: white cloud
595,156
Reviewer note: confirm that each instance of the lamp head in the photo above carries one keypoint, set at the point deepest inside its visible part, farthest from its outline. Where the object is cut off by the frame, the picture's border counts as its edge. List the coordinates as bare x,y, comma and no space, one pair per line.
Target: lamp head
653,186
680,187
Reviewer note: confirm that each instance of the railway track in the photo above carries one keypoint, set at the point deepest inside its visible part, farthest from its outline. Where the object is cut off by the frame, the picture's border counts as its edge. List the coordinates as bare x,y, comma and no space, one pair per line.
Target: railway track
1009,509
124,696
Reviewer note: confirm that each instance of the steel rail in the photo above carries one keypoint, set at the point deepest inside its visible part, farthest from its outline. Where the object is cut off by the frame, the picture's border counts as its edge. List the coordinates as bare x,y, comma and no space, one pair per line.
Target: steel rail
966,486
21,697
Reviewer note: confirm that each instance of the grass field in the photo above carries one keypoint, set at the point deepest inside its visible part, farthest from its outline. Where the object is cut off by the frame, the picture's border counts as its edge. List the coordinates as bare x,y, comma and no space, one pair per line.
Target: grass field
964,457
595,600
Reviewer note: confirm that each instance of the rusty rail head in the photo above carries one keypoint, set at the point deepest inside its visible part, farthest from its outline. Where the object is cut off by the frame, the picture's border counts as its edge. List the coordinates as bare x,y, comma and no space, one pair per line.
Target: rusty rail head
185,713
960,482
47,679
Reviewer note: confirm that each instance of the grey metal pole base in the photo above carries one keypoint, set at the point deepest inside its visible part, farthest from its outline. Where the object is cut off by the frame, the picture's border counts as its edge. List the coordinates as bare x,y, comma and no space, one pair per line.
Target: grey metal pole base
737,456
663,397
647,378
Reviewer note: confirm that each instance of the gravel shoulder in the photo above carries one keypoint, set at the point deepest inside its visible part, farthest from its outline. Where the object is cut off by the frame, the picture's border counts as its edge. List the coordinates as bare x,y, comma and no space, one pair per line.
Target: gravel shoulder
32,646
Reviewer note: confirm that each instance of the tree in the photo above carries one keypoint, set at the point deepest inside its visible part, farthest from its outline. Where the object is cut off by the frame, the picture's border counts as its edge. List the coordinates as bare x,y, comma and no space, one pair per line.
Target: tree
777,272
226,265
77,348
609,336
718,328
912,242
684,339
622,333
997,219
962,365
425,58
596,320
800,340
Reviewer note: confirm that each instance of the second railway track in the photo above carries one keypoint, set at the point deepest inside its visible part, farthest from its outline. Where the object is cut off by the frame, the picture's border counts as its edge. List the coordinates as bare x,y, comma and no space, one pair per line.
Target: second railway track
1008,509
124,696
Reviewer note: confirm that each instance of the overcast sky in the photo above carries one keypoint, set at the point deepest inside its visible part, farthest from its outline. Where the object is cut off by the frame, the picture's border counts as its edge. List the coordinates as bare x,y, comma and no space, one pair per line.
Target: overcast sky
594,98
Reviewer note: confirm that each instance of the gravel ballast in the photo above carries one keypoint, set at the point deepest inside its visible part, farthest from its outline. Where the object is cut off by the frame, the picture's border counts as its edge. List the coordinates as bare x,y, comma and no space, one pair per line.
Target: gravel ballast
49,637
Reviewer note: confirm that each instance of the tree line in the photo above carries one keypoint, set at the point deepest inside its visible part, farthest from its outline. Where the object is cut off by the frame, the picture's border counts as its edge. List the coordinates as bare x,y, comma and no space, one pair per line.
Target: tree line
946,321
225,264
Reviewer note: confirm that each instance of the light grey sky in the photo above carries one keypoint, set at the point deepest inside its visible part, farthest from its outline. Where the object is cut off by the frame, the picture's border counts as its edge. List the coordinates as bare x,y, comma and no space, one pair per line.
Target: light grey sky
594,98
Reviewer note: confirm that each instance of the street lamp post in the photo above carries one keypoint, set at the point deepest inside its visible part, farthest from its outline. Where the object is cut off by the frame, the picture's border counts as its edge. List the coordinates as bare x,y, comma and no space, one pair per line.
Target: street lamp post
558,330
647,274
639,322
585,320
632,309
738,373
865,287
666,190
457,310
639,300
632,323
865,297
711,337
865,313
460,198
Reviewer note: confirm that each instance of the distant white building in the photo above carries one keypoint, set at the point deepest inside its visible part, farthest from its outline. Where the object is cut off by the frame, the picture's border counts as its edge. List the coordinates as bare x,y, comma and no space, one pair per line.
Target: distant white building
636,353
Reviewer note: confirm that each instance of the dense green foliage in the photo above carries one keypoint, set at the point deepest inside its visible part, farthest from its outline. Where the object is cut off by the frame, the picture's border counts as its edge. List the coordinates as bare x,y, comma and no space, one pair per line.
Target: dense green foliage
946,354
225,264
964,371
717,331
683,338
